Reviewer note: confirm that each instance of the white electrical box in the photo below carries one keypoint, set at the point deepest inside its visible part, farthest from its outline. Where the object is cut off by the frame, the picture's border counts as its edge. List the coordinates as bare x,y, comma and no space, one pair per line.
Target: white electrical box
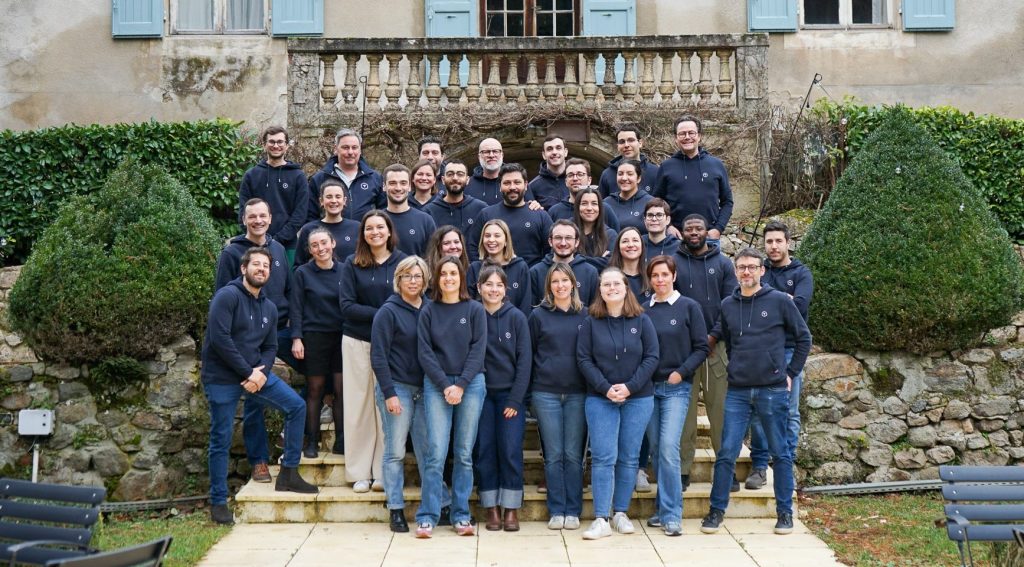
35,422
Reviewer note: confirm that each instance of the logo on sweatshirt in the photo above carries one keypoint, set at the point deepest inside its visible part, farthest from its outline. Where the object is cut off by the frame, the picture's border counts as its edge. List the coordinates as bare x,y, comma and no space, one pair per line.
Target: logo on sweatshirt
364,186
277,263
672,322
348,239
635,213
412,231
515,285
579,327
711,271
633,330
265,320
764,314
284,186
508,335
462,321
527,224
789,283
469,221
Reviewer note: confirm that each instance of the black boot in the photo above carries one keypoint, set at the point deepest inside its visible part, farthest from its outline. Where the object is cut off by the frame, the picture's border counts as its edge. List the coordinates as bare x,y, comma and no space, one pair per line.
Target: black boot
311,450
398,523
221,514
289,480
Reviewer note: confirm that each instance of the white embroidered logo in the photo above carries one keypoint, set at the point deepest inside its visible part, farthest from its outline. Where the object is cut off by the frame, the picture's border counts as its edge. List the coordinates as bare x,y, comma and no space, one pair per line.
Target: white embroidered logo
711,271
764,314
633,330
364,186
527,225
277,263
508,335
412,231
672,322
515,285
284,186
789,283
462,321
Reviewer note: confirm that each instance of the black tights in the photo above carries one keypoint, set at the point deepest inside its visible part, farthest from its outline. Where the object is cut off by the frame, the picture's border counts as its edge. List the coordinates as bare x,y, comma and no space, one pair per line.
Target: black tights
314,401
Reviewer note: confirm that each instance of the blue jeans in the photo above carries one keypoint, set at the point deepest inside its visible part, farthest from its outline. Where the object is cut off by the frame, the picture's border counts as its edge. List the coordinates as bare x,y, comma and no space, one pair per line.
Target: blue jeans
498,456
441,419
664,431
223,403
563,430
254,426
769,406
616,431
396,430
758,444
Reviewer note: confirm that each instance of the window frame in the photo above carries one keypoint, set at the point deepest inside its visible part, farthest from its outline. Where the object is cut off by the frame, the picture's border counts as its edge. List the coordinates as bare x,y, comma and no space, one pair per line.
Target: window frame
530,19
846,18
220,18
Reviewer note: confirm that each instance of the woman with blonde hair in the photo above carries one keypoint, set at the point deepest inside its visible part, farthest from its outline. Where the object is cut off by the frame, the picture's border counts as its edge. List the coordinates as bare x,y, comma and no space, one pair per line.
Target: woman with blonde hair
495,247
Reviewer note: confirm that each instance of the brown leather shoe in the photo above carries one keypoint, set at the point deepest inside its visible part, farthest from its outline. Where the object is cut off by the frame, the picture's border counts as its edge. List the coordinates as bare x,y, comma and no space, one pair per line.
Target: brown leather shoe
511,520
493,519
261,473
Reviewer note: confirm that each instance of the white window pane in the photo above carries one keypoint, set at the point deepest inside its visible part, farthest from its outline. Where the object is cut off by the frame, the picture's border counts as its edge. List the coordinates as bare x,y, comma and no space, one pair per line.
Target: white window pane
245,15
195,15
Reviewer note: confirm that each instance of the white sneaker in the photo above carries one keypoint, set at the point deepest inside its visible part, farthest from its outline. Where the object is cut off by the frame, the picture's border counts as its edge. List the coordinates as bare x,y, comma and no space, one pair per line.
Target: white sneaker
361,486
622,524
572,523
556,522
598,529
643,484
378,485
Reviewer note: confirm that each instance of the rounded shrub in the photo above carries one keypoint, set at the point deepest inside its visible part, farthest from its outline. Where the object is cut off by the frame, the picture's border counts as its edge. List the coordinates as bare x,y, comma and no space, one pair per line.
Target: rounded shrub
905,254
120,272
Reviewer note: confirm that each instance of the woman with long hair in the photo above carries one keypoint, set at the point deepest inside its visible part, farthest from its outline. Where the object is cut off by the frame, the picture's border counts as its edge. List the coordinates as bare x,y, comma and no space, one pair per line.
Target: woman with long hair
424,184
345,231
447,240
617,352
630,256
495,246
589,214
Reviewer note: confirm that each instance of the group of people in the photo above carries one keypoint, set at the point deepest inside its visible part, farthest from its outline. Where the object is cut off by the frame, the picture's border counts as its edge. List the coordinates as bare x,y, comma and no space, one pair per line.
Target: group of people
442,305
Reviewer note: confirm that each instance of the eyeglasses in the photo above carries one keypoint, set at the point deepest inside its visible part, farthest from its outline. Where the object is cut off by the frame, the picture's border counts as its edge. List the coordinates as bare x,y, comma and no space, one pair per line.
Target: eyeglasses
655,216
748,267
689,134
412,277
489,152
563,238
277,142
575,175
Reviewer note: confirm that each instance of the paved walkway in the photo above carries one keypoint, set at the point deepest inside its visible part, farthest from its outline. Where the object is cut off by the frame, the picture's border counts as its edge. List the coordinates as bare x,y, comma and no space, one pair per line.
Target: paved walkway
741,543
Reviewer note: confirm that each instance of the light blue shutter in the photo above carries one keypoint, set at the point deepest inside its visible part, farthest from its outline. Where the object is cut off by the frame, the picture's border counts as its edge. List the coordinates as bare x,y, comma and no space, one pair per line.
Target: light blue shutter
297,17
771,15
929,15
452,18
609,17
137,18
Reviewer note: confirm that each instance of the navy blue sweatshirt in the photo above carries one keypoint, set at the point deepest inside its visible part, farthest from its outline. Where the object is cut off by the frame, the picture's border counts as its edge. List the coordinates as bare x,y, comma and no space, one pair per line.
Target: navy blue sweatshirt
363,291
278,286
706,279
794,279
413,229
314,300
755,330
629,212
618,350
585,272
366,191
509,354
346,234
666,247
461,215
393,345
518,292
284,188
696,185
548,188
241,334
682,336
488,190
554,333
529,230
636,285
609,185
452,339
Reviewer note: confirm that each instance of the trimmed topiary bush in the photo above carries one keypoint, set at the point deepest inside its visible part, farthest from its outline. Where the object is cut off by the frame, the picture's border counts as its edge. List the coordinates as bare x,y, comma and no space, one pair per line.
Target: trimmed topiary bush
905,253
120,272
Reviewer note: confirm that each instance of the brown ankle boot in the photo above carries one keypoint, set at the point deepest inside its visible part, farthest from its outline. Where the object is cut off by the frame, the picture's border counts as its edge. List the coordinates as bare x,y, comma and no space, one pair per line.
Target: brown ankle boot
493,519
511,520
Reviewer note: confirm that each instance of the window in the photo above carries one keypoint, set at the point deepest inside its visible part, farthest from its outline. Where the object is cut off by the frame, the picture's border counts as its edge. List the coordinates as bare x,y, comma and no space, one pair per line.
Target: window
833,13
219,16
518,18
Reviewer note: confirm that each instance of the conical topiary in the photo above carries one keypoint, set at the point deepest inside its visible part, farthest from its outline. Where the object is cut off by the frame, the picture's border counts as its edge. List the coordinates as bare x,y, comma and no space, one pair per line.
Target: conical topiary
905,254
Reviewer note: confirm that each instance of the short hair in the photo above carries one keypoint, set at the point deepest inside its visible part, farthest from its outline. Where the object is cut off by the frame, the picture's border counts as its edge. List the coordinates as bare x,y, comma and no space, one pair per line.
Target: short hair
428,139
363,257
578,161
637,167
575,305
695,216
405,266
333,182
777,226
687,118
564,222
659,260
658,203
552,137
435,291
272,130
507,168
344,133
256,251
618,261
489,269
434,254
628,127
456,161
316,231
392,169
630,306
749,252
509,252
253,202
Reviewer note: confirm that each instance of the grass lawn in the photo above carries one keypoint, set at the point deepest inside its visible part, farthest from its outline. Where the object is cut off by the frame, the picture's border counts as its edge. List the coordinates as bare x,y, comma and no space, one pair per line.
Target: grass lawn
194,534
896,530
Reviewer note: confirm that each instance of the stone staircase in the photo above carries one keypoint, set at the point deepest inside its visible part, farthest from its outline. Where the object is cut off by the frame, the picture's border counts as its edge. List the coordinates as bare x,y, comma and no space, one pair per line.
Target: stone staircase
336,502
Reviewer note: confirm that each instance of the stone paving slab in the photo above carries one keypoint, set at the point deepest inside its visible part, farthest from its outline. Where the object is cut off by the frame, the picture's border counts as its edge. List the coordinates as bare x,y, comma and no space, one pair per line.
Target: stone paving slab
742,542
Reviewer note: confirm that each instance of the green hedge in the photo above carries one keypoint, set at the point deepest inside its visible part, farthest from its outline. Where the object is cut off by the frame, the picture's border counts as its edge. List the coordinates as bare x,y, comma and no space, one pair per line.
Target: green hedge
44,168
989,149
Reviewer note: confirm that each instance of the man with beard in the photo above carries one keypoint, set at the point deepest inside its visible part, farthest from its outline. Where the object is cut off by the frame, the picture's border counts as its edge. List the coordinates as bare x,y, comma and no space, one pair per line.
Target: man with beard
629,143
564,239
238,353
280,183
412,227
549,187
455,207
484,184
706,276
529,228
363,183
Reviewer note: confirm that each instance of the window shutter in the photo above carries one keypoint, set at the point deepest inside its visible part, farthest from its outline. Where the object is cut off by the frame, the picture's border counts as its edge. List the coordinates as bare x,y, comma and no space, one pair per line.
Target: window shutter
609,17
451,18
929,15
137,18
297,17
771,15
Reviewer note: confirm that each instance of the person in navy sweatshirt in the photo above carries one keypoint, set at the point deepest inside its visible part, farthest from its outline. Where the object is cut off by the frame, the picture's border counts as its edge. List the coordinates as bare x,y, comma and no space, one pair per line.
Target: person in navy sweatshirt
564,239
559,393
629,143
627,205
577,176
399,389
528,227
629,255
345,231
316,336
424,184
549,186
238,354
657,219
366,283
498,456
363,184
455,207
617,352
412,227
496,247
446,241
755,321
694,181
280,183
452,343
683,344
485,182
597,236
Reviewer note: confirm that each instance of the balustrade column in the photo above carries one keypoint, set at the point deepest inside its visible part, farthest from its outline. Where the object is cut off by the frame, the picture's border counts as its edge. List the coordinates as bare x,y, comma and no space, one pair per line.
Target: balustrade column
393,91
704,86
494,79
351,88
725,84
454,90
373,82
609,87
628,81
571,87
589,80
413,89
328,91
532,88
686,76
512,88
667,84
434,80
647,76
473,89
550,89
